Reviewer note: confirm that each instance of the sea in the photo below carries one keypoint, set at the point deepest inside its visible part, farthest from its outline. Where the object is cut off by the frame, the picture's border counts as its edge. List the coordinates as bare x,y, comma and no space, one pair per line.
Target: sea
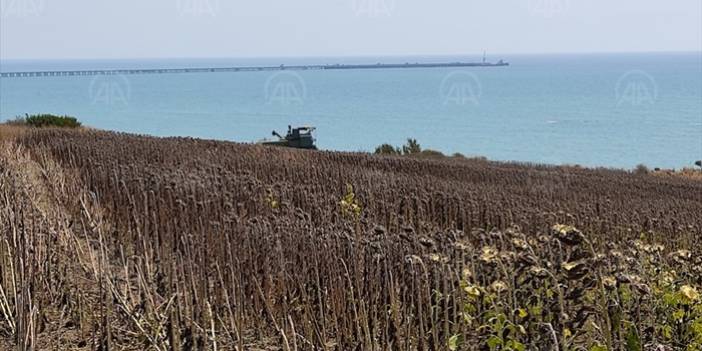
596,110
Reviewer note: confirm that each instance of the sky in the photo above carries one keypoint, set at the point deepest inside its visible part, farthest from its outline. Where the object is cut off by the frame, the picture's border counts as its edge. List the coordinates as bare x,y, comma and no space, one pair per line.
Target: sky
91,29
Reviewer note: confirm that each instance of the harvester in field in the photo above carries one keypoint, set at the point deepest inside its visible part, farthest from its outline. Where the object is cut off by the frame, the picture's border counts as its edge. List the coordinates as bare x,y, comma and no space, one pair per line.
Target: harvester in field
299,138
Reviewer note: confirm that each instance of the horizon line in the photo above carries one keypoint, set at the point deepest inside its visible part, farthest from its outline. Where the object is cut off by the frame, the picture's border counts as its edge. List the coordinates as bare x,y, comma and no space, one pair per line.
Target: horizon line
350,56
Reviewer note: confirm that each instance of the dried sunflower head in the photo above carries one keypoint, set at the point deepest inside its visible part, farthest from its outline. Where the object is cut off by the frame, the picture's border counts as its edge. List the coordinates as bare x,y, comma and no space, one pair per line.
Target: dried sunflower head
616,254
538,272
461,246
668,277
689,292
435,257
628,279
639,245
413,259
489,254
508,256
609,282
472,291
543,239
575,270
568,235
681,256
498,286
520,244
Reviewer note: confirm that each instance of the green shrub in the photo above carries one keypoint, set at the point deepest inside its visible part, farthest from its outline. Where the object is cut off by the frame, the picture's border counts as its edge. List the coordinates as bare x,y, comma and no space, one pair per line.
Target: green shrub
412,147
47,120
430,154
387,149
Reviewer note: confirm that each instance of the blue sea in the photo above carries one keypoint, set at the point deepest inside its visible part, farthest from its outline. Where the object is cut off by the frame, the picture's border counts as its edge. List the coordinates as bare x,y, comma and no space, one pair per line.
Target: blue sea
610,110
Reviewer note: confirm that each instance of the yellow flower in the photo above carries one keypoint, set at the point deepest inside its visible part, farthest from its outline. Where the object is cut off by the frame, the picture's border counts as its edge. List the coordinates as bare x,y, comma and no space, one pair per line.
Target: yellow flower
467,273
349,204
567,333
689,292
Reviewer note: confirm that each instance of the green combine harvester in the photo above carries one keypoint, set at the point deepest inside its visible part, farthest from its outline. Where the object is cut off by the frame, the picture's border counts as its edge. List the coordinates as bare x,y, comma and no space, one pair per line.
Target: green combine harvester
299,138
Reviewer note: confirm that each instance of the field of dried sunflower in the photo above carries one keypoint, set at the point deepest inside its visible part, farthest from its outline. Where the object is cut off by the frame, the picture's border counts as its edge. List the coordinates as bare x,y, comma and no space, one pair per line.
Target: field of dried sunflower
121,242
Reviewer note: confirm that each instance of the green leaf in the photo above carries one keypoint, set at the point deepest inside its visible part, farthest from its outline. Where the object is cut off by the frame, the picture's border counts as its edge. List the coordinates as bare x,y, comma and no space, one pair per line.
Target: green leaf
670,299
455,341
697,327
598,348
667,332
494,342
535,311
633,342
678,315
516,345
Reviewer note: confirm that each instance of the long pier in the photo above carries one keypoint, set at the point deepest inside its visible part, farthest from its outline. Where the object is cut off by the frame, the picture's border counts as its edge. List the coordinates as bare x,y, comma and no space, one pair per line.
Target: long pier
242,69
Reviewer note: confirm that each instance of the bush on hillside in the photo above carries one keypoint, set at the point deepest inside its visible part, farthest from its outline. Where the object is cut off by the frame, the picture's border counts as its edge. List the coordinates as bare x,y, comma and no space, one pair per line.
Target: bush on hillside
429,154
412,147
387,149
48,120
641,169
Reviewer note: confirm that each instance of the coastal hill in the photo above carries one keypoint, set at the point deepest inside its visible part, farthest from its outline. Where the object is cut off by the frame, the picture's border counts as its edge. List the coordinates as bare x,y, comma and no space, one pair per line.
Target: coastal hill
128,242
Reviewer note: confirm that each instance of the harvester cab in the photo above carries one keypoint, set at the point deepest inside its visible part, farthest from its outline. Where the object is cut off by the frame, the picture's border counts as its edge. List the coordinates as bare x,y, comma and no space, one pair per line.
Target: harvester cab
299,138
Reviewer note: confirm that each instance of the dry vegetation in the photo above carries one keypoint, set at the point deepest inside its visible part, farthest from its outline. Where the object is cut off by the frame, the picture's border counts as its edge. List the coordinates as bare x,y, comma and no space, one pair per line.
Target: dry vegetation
688,173
114,241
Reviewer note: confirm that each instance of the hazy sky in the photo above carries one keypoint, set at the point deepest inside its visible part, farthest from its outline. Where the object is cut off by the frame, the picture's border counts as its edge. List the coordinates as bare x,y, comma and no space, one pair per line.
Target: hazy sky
45,29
